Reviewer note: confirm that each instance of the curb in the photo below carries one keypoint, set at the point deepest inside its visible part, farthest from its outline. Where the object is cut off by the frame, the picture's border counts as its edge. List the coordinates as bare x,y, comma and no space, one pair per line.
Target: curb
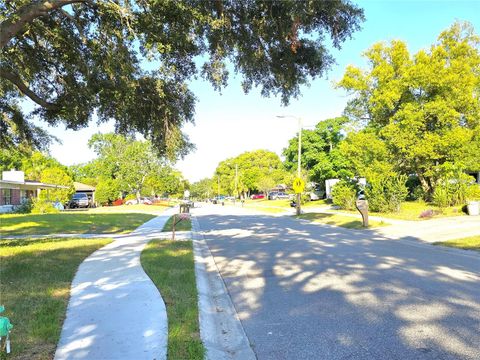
221,330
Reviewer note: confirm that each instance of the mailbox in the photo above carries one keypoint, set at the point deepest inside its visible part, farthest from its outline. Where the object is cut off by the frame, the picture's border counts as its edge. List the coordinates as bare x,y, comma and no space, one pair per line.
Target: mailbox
362,207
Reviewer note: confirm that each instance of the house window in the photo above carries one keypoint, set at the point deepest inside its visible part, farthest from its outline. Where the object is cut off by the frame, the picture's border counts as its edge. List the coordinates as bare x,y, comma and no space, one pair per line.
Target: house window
23,196
7,196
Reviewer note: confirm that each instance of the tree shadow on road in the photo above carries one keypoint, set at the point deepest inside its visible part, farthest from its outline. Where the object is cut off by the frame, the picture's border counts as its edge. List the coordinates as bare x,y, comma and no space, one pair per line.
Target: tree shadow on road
304,290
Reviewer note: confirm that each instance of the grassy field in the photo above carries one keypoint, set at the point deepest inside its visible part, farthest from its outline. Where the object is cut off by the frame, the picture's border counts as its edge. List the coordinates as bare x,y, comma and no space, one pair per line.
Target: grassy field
71,223
170,266
470,243
35,288
345,221
184,225
140,208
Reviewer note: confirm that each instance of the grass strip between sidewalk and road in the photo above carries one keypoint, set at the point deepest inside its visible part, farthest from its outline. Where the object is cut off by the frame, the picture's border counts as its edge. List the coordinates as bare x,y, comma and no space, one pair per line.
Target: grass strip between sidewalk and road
348,222
170,265
470,243
36,276
184,225
71,223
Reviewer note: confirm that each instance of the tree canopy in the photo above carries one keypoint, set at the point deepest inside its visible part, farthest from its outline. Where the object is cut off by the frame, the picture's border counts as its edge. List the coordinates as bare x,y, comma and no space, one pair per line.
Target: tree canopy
319,150
252,167
74,58
425,107
129,166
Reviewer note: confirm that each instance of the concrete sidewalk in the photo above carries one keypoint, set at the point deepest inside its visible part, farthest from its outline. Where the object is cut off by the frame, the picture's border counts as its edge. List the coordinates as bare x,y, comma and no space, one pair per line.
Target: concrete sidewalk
115,311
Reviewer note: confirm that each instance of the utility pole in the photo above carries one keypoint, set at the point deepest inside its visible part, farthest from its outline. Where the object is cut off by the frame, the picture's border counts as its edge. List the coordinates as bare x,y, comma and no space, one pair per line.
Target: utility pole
236,184
299,171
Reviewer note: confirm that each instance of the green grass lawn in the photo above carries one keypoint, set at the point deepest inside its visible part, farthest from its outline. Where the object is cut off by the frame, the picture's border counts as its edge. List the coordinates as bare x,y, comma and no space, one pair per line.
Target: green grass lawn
170,266
184,225
35,289
139,208
470,243
70,223
348,222
411,210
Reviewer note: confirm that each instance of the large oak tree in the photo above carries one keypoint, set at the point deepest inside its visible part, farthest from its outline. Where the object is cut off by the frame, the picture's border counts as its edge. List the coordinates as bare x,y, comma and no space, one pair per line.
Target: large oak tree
74,58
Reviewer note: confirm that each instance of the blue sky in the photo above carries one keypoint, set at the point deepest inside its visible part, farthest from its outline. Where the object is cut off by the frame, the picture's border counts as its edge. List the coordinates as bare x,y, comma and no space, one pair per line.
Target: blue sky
230,123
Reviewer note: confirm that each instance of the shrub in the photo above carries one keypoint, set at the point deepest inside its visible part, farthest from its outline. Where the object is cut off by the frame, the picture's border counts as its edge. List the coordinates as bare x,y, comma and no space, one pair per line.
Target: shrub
130,197
117,202
25,208
344,195
473,192
41,206
453,186
441,196
107,191
415,190
451,192
385,194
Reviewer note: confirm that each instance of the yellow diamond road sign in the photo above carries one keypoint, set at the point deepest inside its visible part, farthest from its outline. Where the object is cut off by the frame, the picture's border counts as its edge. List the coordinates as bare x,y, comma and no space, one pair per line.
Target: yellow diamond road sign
298,185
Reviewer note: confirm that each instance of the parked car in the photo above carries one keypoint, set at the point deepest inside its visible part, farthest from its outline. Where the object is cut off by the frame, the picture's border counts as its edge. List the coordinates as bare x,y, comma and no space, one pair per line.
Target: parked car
275,195
143,200
257,196
316,194
79,200
218,199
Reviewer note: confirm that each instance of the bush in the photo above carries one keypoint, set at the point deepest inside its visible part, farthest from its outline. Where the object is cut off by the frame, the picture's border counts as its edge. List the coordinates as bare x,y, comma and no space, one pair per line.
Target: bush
453,186
106,191
25,208
344,195
385,194
451,192
415,190
130,197
117,202
41,206
473,192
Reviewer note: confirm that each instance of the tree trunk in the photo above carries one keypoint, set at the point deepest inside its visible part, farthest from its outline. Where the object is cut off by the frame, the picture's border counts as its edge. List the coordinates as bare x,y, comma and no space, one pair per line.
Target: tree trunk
426,186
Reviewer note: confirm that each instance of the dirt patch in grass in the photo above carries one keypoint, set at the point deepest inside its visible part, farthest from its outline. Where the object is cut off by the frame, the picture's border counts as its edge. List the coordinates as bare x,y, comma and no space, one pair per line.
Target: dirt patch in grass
170,265
35,289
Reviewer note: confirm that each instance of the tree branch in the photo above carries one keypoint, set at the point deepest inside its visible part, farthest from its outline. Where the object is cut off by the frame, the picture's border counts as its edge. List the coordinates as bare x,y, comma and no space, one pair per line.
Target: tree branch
26,14
17,81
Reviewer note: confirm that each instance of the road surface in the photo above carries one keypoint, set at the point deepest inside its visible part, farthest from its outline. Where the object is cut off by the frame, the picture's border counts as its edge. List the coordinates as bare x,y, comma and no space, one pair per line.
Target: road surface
307,291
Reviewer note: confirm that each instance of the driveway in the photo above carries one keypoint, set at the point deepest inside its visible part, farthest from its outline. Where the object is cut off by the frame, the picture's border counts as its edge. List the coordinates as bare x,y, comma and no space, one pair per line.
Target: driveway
307,291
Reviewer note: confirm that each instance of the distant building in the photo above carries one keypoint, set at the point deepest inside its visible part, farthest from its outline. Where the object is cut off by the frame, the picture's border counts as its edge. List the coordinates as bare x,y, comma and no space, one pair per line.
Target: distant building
14,189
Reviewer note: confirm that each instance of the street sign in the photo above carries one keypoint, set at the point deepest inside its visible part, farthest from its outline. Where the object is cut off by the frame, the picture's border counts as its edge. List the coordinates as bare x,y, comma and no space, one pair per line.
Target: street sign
298,185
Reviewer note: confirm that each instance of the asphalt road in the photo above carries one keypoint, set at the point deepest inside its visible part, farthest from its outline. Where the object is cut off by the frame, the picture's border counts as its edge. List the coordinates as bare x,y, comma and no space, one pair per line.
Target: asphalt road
306,291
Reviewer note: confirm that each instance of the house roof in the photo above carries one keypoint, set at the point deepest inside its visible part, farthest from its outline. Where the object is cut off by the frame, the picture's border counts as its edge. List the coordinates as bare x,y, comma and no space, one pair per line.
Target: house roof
83,187
28,185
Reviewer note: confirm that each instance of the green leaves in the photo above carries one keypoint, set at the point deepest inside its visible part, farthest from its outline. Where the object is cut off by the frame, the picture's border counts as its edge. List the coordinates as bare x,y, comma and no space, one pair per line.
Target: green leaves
424,108
77,58
319,155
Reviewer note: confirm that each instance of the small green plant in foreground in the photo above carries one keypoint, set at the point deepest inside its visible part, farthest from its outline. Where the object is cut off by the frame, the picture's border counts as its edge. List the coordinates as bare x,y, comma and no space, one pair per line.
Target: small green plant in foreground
170,266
